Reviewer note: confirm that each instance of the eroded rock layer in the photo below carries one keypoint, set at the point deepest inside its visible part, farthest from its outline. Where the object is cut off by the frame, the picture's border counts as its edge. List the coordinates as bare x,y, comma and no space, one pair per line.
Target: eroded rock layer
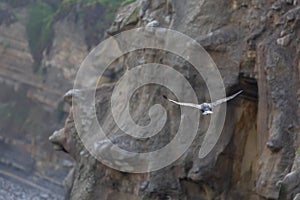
255,45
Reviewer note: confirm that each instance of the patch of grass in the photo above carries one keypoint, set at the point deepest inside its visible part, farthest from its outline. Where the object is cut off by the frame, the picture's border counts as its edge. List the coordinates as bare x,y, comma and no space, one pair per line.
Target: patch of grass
125,2
111,4
67,5
298,150
39,29
108,3
145,197
16,3
42,14
282,193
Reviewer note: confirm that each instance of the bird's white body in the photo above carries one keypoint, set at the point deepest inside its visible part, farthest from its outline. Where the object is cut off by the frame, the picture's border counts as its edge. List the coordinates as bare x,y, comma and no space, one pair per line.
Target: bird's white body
206,108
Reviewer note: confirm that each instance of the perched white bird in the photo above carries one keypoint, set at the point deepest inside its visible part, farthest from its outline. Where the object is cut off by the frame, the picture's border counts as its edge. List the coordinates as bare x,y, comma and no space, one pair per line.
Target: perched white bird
206,108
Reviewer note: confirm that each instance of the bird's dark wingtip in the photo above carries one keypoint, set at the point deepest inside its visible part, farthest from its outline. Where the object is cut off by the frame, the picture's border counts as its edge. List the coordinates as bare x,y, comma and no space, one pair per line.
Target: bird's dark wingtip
165,97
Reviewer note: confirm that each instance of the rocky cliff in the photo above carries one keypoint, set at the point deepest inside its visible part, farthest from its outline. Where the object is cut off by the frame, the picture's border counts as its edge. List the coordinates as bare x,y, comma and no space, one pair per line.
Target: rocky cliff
255,45
42,44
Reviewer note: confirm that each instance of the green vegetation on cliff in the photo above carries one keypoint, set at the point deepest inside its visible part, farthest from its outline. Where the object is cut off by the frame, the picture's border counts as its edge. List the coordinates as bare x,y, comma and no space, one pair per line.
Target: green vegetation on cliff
107,3
95,15
16,3
39,30
125,2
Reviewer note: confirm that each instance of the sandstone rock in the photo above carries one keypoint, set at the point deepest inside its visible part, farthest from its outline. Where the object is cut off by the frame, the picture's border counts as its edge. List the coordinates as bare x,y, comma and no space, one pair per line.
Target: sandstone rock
256,149
154,23
290,16
58,139
218,38
284,41
276,6
290,184
297,197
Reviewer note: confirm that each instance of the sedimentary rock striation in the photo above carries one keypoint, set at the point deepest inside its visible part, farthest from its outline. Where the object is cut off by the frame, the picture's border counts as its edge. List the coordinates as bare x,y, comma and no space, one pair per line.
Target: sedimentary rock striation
255,45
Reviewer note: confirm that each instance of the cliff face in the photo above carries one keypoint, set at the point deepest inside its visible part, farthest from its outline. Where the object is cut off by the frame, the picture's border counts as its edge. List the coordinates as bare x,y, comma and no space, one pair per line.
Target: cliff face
17,63
256,47
31,99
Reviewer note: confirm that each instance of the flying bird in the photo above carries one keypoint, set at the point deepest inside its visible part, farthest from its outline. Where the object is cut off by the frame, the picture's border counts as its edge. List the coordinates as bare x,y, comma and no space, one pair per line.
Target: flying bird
206,108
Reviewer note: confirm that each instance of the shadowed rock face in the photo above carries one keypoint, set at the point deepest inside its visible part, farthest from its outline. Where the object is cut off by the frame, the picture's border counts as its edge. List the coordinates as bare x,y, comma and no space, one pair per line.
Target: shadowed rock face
256,156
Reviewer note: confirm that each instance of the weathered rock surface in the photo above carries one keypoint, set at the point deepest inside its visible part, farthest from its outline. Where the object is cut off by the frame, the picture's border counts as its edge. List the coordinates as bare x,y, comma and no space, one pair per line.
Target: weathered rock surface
59,64
31,105
255,45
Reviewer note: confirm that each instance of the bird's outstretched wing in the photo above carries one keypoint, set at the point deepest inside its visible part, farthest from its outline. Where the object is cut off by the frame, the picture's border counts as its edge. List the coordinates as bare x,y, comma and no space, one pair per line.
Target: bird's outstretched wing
213,104
183,104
